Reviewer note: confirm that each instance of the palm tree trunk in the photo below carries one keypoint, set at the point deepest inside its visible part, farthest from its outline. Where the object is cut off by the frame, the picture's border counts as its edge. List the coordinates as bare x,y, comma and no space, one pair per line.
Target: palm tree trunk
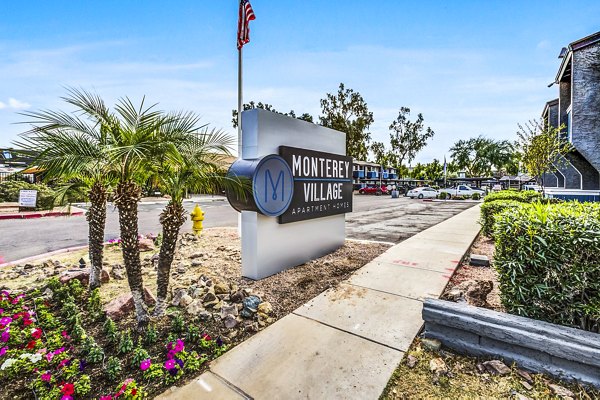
171,219
96,217
127,195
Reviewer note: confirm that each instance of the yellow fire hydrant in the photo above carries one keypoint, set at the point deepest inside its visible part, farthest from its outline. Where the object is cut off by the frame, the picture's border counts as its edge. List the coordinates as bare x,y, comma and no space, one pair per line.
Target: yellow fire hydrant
197,217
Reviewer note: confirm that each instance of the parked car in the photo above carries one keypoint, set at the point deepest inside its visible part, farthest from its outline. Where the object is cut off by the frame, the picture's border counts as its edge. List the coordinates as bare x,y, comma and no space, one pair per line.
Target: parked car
537,188
496,188
374,189
462,190
422,193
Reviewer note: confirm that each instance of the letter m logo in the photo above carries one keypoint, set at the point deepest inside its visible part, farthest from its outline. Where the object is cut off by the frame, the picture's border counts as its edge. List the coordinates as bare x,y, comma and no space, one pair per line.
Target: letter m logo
269,183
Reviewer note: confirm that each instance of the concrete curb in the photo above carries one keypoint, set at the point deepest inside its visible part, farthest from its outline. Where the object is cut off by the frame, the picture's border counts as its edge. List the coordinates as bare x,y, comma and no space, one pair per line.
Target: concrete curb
40,215
560,351
44,255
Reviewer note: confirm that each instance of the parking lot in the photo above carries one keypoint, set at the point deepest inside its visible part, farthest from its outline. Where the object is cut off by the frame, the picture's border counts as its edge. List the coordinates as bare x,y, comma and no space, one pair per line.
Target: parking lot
382,218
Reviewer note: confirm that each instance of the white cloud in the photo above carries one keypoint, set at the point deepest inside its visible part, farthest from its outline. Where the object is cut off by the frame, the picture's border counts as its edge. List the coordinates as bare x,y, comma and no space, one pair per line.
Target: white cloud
17,105
2,105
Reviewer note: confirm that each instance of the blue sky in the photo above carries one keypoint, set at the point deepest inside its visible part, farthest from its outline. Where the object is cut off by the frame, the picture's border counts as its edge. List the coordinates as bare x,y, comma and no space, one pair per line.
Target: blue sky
471,67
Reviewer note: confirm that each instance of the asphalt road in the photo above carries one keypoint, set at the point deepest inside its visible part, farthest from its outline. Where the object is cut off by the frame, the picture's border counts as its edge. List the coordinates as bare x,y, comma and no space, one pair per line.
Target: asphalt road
378,218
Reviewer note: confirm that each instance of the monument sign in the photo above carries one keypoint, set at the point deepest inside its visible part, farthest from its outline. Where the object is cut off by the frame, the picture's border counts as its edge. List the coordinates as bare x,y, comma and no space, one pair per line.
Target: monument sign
301,189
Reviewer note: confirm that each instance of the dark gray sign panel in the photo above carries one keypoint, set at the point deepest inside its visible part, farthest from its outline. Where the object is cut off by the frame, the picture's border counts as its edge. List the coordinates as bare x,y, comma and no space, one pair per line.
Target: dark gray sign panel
322,184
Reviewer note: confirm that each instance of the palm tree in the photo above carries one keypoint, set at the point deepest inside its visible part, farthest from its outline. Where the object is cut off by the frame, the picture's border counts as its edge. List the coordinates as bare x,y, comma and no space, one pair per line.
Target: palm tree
198,165
73,148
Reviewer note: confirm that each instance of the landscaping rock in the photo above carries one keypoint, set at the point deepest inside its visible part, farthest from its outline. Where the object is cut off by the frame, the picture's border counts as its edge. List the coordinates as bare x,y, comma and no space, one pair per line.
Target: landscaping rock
209,297
525,375
48,293
561,391
265,307
250,306
438,366
117,272
181,268
123,305
411,361
520,396
204,315
198,254
526,385
185,300
196,263
474,292
479,260
480,368
431,344
230,321
221,288
82,276
146,245
195,307
179,293
496,367
227,309
237,297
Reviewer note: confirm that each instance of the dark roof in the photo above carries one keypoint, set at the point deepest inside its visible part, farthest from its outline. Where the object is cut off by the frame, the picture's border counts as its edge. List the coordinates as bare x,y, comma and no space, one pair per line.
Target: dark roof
12,156
548,105
574,46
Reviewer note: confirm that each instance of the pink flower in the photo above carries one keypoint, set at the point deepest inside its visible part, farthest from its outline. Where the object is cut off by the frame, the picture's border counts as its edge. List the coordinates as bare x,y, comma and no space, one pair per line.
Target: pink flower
170,364
144,365
36,333
46,377
5,336
179,346
58,351
171,354
49,356
109,397
63,363
66,397
5,321
3,351
1,311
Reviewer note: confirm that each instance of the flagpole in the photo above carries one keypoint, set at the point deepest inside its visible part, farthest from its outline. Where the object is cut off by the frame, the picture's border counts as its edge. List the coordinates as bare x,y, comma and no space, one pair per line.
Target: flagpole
240,103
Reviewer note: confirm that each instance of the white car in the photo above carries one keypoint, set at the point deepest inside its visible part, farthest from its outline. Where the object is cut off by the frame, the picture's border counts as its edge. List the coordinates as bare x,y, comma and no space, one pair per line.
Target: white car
423,193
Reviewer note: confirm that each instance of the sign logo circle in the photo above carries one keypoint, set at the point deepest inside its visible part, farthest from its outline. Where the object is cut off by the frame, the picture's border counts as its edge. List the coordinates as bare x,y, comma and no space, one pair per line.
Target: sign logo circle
273,185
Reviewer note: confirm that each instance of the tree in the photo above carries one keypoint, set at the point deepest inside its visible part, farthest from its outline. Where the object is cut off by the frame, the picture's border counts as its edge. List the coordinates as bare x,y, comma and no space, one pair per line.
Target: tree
434,170
542,148
198,165
407,138
264,106
480,156
73,148
139,136
382,155
347,112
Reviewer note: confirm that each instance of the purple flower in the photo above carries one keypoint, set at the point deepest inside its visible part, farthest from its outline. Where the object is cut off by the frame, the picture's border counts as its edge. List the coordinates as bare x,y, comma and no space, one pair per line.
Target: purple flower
82,365
5,321
173,371
3,351
219,341
179,346
170,364
144,365
180,362
46,377
66,397
1,311
171,354
5,336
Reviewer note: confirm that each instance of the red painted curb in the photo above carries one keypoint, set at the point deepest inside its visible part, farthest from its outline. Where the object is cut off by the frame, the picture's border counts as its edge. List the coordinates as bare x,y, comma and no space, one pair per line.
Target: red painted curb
40,215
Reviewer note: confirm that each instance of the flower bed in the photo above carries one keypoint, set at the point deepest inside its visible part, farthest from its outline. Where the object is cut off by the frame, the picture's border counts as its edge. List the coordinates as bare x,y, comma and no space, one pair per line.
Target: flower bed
61,346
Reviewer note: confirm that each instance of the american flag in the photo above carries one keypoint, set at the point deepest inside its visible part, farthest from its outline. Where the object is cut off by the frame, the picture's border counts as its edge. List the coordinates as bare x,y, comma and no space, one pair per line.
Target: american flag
246,15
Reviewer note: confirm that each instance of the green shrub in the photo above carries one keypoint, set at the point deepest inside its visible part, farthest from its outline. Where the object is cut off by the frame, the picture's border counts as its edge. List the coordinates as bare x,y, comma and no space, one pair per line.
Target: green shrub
490,209
443,195
526,196
548,265
476,196
9,192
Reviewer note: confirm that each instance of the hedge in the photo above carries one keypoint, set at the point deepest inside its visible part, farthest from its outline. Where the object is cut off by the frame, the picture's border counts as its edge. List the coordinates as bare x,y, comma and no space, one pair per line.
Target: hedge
490,209
9,192
525,196
547,258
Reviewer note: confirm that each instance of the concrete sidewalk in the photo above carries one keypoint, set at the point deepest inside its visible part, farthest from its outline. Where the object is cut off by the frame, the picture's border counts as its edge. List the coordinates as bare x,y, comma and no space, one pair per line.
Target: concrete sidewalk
346,342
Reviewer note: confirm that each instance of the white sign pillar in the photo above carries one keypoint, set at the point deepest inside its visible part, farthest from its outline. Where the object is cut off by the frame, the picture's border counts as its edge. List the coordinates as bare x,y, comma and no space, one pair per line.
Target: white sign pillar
267,246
